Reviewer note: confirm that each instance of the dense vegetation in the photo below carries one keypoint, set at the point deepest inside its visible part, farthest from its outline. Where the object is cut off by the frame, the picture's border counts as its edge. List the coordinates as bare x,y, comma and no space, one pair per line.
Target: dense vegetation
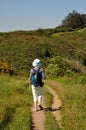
18,49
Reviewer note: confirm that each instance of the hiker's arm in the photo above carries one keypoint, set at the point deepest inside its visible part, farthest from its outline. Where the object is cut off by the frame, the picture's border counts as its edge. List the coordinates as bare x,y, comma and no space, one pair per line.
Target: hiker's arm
43,74
31,71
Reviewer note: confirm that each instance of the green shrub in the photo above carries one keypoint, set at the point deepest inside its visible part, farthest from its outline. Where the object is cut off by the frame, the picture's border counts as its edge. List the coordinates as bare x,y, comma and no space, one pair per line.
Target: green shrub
59,66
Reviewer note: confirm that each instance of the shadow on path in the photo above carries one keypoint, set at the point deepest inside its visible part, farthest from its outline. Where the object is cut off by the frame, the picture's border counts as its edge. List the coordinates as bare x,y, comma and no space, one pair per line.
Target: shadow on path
52,109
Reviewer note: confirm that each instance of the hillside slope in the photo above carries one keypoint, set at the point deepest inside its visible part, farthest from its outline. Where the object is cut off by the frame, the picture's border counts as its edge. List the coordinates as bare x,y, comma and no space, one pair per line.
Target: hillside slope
19,48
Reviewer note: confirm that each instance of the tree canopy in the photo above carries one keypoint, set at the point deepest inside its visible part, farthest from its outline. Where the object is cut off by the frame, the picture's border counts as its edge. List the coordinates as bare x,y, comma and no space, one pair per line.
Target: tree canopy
74,20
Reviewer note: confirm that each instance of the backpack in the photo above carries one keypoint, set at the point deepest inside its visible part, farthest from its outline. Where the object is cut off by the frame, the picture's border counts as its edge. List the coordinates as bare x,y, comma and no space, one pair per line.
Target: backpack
36,78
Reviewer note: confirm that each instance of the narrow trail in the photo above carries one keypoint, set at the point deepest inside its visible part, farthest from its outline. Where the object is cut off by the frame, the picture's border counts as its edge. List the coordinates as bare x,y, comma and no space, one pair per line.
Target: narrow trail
56,106
38,117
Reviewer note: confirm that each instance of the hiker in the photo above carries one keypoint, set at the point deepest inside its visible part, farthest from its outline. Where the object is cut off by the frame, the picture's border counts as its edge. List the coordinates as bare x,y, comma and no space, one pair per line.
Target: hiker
37,87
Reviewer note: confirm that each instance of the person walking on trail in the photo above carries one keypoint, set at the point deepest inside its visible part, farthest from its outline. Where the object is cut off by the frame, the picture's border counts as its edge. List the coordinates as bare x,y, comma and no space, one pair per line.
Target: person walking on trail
36,75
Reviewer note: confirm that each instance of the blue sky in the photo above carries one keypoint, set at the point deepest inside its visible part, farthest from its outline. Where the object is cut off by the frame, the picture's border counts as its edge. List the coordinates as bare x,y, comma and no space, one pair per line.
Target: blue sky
35,14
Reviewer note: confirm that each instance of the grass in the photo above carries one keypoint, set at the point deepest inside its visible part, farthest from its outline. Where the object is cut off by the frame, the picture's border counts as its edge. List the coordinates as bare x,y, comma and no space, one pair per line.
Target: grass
73,96
14,104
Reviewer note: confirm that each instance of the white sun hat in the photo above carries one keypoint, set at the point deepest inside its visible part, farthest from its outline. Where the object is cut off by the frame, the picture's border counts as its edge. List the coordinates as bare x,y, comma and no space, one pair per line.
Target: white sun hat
37,63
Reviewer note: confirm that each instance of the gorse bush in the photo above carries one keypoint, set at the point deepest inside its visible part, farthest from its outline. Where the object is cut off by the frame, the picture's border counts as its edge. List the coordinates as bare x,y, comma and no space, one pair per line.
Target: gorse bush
6,69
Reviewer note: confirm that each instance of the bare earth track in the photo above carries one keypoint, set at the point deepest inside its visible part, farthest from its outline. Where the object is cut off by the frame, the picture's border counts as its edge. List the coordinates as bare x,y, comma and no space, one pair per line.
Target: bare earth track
56,106
38,117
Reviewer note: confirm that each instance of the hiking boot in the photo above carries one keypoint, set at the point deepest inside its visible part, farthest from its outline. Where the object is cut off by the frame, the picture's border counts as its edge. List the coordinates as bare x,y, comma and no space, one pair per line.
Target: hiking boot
41,108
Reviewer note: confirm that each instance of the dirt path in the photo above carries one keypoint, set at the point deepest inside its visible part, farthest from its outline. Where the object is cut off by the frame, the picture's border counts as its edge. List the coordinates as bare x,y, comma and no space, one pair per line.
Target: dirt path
38,117
56,106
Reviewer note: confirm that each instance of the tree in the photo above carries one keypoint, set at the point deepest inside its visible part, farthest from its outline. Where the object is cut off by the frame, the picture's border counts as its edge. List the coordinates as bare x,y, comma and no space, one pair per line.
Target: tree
74,20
